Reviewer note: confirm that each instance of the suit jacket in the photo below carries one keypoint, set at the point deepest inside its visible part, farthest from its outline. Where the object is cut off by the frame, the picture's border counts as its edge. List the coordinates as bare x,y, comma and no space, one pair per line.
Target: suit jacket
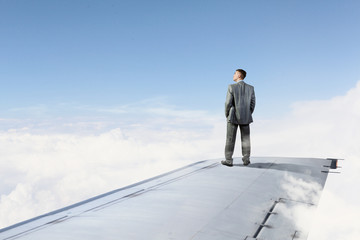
240,103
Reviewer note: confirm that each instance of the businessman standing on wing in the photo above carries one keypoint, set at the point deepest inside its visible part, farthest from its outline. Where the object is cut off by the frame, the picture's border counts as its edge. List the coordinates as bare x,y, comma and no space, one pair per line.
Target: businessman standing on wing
239,106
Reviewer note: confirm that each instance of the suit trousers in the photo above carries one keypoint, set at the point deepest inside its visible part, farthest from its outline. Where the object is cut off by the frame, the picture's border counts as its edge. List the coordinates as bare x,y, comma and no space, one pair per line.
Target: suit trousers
231,138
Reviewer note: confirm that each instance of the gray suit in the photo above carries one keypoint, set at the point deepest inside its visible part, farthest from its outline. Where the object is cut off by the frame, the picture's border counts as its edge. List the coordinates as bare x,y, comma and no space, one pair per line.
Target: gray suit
239,106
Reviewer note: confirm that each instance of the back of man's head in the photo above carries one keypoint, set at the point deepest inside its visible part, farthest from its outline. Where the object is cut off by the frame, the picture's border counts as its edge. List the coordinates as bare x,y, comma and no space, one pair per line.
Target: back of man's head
242,72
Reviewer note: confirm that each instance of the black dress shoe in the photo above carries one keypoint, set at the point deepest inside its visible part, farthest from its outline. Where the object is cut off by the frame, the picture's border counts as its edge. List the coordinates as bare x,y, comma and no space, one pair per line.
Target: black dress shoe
227,163
246,162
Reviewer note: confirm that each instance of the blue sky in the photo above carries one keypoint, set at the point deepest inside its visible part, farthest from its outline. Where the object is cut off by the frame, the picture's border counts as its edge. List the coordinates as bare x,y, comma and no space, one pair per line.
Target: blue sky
104,54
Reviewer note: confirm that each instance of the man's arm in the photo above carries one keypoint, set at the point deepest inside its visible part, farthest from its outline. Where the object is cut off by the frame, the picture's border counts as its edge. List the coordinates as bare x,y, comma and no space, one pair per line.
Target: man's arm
252,102
229,101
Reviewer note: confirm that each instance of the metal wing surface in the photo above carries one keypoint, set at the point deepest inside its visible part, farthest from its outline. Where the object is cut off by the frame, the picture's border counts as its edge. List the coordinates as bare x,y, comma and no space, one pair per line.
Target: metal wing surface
272,198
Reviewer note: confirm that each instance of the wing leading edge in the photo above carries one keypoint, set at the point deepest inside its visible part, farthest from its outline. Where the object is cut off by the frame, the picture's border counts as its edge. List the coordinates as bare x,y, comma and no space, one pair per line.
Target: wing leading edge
272,198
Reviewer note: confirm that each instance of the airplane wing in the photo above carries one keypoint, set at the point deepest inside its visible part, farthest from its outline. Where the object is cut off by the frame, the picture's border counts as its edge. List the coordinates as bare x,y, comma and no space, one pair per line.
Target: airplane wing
272,198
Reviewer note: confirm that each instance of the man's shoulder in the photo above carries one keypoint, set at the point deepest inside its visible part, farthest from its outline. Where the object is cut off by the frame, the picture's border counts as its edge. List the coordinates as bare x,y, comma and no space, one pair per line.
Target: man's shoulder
232,86
241,82
248,85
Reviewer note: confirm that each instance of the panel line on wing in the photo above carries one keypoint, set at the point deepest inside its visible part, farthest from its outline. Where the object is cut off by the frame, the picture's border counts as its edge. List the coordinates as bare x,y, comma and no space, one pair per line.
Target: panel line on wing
142,191
37,228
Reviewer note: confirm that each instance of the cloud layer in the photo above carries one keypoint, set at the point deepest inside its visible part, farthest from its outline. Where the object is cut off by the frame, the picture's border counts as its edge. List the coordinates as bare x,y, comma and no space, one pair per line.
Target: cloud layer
326,128
42,172
45,170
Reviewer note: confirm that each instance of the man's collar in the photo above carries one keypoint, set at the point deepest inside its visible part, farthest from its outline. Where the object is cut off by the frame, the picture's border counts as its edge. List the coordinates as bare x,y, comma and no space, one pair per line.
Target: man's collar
240,80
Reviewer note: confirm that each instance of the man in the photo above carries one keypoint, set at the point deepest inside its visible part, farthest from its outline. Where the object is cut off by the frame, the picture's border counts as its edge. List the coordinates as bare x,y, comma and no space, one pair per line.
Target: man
239,106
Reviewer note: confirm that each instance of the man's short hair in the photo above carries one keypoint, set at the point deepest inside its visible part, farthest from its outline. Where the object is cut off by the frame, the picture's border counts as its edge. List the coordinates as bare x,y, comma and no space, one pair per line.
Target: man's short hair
242,72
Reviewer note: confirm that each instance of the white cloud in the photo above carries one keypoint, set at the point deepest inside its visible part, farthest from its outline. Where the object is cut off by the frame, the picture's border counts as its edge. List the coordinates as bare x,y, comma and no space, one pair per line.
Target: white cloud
300,190
298,207
44,172
328,128
40,168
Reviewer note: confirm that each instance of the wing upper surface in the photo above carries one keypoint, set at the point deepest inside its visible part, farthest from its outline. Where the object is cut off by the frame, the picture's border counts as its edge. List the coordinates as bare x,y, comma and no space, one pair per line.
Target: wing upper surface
204,200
